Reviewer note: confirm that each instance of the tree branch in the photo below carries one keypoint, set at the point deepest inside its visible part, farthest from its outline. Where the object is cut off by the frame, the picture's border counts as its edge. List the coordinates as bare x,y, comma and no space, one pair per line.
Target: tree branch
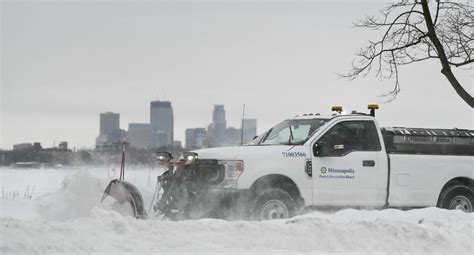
446,69
449,38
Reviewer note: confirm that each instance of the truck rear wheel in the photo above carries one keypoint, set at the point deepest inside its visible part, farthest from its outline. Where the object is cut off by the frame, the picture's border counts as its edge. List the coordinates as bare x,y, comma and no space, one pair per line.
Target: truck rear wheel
457,197
273,203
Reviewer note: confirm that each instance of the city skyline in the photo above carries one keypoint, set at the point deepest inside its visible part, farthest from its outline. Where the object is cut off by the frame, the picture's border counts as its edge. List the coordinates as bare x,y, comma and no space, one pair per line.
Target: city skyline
141,135
279,59
109,122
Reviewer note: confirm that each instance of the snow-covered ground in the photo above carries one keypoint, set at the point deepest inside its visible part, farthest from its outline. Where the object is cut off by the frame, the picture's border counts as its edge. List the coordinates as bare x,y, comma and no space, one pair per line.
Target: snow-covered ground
65,216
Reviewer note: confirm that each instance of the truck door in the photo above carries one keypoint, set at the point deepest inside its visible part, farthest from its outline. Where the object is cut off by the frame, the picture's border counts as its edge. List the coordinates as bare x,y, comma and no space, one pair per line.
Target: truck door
346,165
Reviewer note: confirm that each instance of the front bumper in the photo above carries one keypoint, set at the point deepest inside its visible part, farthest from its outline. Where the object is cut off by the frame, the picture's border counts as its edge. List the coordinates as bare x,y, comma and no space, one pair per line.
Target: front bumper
193,191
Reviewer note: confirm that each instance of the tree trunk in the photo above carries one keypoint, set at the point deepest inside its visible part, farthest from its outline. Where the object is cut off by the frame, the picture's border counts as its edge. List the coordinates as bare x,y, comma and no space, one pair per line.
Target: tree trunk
446,68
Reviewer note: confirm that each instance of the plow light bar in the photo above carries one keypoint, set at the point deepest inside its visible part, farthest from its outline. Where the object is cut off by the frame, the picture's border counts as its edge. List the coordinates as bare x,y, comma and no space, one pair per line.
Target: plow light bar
336,108
372,108
190,157
164,157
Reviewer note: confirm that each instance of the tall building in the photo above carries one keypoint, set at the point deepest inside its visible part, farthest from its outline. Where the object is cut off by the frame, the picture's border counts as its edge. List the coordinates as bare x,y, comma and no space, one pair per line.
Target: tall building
109,121
195,138
250,129
139,135
161,123
219,125
110,131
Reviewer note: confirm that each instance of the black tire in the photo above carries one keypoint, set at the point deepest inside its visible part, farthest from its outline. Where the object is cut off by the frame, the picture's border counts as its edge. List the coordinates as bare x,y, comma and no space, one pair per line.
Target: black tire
273,203
457,196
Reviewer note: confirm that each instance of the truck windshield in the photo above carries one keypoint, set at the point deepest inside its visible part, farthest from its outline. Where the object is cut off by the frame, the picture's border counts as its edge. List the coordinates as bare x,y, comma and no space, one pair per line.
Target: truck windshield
292,132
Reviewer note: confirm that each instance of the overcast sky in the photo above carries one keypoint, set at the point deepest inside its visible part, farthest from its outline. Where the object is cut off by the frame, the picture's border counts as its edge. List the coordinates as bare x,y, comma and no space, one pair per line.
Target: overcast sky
64,63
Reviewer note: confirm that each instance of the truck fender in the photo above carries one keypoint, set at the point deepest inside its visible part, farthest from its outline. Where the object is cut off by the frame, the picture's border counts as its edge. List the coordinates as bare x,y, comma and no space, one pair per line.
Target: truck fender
278,181
466,181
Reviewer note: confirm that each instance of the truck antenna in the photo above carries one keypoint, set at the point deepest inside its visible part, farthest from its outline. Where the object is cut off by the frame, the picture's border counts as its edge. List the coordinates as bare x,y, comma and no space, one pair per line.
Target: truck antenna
242,127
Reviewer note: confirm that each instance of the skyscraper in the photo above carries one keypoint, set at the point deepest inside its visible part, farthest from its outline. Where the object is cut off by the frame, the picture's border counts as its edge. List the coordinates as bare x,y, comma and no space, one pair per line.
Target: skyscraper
219,125
161,123
109,121
109,129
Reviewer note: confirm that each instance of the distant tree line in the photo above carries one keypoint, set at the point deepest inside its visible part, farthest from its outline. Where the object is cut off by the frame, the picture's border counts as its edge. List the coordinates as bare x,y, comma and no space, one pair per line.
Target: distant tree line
109,155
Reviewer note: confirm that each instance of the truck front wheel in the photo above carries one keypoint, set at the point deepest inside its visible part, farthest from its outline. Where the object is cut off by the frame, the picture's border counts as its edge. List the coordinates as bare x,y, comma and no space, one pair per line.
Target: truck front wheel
273,203
457,197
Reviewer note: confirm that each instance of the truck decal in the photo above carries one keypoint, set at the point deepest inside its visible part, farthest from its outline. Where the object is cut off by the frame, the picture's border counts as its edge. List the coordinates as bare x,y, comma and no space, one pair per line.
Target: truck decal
334,173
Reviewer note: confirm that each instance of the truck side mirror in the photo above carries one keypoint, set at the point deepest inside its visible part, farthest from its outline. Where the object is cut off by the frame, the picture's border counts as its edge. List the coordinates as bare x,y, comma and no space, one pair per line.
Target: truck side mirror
317,149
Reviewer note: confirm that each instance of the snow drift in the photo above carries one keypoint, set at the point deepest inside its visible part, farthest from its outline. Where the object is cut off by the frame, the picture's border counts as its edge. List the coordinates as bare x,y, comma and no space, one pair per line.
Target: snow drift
389,231
78,195
72,220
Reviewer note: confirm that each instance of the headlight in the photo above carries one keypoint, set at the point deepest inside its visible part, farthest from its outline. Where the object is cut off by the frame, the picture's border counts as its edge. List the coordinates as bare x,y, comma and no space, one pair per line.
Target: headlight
232,171
164,157
190,157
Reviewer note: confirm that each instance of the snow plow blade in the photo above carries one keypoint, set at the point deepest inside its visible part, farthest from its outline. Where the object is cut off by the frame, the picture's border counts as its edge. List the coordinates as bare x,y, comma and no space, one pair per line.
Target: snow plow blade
124,191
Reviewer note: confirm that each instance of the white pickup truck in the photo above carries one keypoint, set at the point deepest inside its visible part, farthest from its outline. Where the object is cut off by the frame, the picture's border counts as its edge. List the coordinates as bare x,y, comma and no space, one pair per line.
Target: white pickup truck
337,160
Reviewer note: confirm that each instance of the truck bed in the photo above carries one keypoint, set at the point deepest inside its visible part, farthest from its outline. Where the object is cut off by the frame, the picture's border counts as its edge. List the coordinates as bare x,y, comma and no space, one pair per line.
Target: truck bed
417,180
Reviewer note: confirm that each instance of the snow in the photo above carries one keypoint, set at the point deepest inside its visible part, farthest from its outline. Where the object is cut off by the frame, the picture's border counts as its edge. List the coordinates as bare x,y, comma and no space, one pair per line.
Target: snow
66,216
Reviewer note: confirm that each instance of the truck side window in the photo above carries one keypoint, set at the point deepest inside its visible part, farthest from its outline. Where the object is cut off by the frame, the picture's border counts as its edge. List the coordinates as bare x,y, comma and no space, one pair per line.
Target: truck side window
349,136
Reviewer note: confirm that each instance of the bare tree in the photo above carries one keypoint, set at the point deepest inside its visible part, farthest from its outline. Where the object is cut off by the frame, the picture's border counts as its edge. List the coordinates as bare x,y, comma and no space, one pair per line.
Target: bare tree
414,31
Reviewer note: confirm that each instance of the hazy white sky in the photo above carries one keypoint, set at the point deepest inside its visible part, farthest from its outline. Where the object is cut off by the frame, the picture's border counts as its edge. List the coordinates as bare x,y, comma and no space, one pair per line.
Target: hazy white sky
62,63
